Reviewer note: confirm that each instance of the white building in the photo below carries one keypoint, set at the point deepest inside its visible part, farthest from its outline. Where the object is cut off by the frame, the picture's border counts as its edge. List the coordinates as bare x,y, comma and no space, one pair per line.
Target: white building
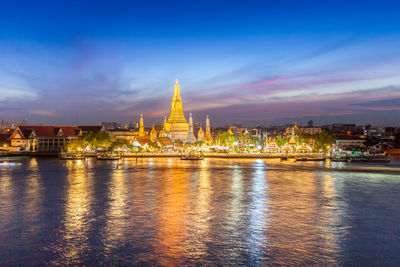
349,141
311,130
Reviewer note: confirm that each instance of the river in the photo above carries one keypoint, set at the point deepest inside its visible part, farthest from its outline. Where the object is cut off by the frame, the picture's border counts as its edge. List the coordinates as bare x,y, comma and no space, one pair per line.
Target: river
166,211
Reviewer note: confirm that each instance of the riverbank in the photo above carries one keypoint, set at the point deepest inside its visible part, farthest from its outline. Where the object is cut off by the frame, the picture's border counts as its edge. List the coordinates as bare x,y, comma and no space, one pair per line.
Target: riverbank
177,155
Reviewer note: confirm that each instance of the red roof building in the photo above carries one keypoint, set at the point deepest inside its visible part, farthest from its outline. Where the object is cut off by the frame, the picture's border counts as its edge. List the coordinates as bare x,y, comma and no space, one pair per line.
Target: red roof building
43,138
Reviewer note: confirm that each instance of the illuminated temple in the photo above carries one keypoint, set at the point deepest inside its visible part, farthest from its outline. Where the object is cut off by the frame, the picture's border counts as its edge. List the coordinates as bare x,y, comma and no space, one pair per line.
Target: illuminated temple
177,127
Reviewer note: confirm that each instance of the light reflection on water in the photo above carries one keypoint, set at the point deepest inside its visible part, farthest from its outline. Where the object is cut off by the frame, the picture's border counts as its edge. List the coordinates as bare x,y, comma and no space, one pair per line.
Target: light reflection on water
173,212
258,213
172,230
77,214
116,215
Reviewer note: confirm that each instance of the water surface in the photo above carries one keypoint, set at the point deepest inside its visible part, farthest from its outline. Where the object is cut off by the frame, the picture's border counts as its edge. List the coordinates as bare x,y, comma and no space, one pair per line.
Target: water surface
215,211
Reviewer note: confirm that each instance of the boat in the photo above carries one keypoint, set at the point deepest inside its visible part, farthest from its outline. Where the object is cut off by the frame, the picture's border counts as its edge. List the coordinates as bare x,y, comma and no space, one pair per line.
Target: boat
5,159
71,155
378,160
370,159
192,157
107,156
309,159
339,159
394,151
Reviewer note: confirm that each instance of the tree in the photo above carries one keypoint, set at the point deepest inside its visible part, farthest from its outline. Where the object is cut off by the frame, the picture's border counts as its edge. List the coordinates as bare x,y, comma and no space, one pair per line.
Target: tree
178,143
322,140
304,138
198,143
75,145
154,146
119,144
99,139
224,139
280,141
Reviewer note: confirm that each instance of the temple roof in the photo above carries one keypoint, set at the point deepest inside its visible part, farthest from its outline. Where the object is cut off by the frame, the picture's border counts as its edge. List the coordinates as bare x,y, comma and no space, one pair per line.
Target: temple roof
164,141
143,140
90,128
49,130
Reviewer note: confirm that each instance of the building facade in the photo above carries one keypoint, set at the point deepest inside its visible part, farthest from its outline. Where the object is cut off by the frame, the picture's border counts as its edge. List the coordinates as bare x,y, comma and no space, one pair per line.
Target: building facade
43,138
344,142
311,130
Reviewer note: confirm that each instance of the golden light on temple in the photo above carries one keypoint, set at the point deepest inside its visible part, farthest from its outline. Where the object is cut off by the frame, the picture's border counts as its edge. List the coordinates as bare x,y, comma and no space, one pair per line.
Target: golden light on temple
177,125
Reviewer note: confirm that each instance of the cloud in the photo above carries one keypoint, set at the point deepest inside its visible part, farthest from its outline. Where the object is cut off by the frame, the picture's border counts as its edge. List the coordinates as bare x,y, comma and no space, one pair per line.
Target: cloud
13,88
92,83
8,94
44,113
382,103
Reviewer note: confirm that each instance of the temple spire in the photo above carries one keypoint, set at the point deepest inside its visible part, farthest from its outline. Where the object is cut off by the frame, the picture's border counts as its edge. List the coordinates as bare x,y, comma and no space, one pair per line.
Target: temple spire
177,90
153,134
141,126
207,137
200,134
191,138
176,124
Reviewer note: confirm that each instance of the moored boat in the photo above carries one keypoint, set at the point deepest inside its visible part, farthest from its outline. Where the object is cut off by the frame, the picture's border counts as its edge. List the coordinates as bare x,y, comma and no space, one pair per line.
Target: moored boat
394,151
107,156
5,159
192,157
71,155
309,159
372,158
369,160
337,159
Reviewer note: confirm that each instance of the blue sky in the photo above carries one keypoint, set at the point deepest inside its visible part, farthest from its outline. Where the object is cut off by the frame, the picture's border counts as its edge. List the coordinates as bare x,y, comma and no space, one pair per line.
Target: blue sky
251,62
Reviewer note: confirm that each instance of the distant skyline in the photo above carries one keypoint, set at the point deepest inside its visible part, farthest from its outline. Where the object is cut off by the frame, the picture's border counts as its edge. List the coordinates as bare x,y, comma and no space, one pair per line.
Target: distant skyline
248,62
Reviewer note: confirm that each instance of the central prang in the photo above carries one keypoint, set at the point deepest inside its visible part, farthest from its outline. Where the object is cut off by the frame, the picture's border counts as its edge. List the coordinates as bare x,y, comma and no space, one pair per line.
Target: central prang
177,126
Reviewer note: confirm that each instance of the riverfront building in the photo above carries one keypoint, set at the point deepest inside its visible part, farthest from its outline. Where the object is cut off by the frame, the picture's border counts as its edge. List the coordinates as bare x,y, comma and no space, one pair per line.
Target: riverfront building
311,130
43,138
91,129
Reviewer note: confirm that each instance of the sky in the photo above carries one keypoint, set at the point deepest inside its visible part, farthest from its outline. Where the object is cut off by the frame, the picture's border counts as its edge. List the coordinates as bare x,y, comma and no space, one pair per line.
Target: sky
248,62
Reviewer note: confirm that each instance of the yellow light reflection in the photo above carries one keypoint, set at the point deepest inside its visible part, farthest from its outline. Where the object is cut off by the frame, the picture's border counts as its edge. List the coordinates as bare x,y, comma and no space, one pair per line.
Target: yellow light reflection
116,219
8,197
172,230
236,209
201,212
329,212
77,213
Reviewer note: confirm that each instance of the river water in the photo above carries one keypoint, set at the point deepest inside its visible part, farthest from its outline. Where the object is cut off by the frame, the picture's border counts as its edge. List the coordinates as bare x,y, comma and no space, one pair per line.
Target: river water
214,212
